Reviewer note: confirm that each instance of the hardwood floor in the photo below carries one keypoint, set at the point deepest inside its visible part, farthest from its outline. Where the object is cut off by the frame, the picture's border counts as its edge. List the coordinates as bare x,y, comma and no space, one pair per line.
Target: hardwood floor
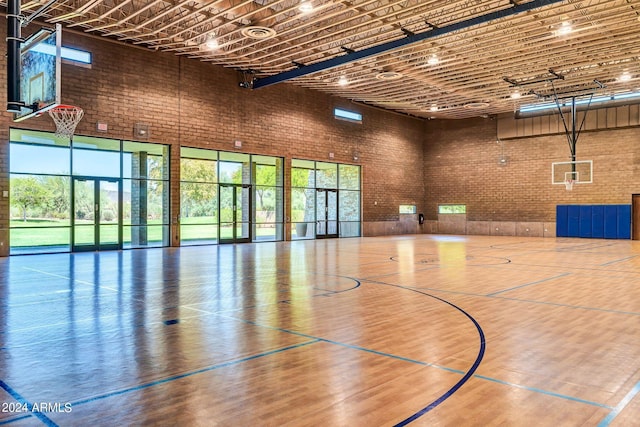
410,330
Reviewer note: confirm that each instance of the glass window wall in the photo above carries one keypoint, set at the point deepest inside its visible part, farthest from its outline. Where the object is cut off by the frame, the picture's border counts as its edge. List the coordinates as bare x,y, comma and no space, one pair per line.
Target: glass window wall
87,194
230,197
325,200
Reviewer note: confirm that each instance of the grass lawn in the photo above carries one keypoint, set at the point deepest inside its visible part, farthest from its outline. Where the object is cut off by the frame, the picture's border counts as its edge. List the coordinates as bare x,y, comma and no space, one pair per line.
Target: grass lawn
58,233
41,232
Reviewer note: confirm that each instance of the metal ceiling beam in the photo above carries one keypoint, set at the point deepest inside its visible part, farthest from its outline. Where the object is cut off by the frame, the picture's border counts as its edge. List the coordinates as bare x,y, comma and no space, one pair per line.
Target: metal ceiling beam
396,44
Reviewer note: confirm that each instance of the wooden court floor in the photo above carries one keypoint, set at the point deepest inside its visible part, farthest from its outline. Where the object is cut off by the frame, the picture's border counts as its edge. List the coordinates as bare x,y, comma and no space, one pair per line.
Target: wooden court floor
411,330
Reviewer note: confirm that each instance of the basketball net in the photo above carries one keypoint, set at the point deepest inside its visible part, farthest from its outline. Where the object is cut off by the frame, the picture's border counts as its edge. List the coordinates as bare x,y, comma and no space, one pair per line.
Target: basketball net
569,184
66,118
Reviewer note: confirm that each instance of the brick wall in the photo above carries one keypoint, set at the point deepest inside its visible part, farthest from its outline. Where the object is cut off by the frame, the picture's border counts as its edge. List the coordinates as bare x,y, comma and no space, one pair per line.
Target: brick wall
461,166
404,160
191,103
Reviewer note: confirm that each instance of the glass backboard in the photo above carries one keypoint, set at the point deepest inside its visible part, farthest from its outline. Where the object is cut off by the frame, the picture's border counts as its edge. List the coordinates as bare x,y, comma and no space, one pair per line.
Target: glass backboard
40,59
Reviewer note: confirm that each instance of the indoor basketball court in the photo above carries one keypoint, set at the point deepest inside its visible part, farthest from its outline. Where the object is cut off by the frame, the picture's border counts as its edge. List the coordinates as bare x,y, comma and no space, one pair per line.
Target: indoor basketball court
314,213
420,330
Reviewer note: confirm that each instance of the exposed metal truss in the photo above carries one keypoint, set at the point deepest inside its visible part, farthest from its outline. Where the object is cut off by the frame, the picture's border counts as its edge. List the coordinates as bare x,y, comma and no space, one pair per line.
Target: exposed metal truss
458,74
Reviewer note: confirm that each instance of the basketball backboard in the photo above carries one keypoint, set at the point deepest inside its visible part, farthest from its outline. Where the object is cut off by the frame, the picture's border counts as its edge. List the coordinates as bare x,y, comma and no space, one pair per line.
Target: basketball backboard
40,59
579,172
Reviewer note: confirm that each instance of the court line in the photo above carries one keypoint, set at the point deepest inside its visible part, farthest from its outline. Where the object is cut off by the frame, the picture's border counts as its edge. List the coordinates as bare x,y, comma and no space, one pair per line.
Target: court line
191,373
558,304
17,396
331,292
466,376
14,420
618,260
326,293
59,276
528,284
620,406
418,362
440,399
546,392
576,268
316,339
461,371
186,306
581,307
328,341
524,387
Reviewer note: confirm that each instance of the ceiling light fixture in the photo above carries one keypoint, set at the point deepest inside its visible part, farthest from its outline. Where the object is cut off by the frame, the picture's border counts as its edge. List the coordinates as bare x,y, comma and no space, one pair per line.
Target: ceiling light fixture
343,81
624,77
476,105
433,60
565,28
210,43
602,100
516,94
434,107
305,7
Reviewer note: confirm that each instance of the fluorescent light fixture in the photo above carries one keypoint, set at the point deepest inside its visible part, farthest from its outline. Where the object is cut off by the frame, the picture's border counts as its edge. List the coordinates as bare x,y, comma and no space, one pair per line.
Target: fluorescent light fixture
628,96
350,116
565,28
305,7
68,53
625,77
210,43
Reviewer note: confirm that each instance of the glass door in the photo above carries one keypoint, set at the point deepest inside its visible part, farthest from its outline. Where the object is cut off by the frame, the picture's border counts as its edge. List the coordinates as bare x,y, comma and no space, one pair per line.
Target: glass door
235,213
326,213
96,208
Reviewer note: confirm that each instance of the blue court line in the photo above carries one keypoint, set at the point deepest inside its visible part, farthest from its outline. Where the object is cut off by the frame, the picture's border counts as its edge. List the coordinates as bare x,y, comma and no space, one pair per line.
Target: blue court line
14,420
17,396
433,365
580,307
466,376
618,260
187,306
528,284
620,406
440,399
192,373
471,294
546,392
316,339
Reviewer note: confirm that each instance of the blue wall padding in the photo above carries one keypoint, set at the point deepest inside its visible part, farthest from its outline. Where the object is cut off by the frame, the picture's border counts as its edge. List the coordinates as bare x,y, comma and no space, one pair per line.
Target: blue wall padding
562,221
574,221
599,221
585,220
624,222
611,222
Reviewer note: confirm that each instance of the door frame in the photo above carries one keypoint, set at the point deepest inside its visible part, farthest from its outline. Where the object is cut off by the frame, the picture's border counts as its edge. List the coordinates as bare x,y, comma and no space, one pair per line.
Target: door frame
249,209
326,219
96,246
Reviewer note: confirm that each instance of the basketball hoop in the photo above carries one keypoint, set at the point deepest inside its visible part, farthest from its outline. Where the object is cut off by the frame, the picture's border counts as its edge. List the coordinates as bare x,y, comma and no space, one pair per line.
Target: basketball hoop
569,184
66,118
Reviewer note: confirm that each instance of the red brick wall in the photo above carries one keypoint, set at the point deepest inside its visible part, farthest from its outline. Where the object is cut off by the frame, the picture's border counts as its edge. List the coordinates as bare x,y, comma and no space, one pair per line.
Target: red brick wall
404,160
461,166
191,103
